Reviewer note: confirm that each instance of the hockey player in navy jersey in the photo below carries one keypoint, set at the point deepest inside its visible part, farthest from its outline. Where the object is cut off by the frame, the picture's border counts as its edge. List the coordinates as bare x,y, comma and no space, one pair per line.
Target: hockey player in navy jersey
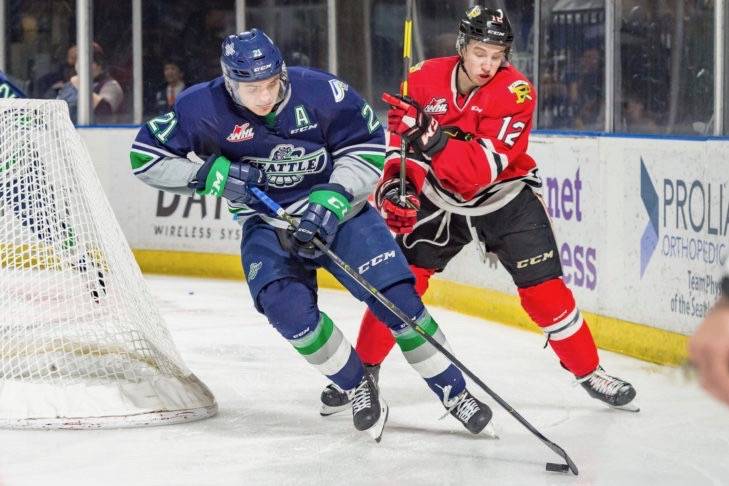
8,89
315,146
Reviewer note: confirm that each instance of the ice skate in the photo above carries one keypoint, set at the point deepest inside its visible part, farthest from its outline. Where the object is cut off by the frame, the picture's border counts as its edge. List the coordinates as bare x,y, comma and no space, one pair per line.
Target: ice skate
334,399
369,411
613,391
472,413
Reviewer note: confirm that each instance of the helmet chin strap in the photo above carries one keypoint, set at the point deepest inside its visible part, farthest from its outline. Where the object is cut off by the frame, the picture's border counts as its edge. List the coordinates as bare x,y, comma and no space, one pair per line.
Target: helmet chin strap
463,67
285,86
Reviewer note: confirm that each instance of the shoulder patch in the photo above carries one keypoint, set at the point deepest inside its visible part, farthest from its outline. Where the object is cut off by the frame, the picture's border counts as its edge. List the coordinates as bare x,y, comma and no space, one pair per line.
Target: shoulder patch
339,89
522,91
416,67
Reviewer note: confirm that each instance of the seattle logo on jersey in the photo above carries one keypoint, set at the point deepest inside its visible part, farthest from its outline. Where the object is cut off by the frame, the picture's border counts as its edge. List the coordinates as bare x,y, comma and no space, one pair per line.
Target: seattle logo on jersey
288,165
521,90
436,106
241,133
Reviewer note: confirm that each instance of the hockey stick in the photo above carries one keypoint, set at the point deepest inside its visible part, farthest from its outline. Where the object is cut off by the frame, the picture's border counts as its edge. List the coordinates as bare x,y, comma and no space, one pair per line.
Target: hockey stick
274,207
407,51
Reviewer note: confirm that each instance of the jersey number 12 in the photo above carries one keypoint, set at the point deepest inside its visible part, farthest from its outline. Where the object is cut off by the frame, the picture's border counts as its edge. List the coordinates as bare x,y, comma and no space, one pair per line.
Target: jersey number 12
509,137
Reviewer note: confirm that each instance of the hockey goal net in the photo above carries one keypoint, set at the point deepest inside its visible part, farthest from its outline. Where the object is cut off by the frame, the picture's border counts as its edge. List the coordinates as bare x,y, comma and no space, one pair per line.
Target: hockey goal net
82,344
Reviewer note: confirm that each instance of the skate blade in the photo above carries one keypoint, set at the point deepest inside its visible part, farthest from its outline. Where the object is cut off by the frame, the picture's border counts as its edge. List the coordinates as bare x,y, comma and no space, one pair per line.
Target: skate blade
490,431
327,410
628,407
376,430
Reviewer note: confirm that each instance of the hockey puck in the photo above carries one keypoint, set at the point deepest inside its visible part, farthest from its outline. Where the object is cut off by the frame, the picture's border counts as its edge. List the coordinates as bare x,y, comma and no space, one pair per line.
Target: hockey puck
551,466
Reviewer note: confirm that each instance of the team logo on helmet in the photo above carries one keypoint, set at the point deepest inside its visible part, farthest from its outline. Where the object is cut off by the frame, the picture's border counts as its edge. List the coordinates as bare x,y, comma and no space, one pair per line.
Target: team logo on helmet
241,133
287,165
474,12
229,49
522,91
436,106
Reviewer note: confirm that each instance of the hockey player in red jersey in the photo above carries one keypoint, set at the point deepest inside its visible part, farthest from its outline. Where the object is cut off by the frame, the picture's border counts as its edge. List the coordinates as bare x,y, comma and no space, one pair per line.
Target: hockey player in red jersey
467,121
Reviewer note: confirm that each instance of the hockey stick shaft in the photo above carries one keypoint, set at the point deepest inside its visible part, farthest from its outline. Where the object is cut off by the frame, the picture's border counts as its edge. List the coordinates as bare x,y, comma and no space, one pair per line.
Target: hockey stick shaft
407,51
281,213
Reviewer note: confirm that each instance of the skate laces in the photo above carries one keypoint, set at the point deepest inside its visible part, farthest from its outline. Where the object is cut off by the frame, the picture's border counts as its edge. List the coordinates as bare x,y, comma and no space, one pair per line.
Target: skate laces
602,382
362,397
463,406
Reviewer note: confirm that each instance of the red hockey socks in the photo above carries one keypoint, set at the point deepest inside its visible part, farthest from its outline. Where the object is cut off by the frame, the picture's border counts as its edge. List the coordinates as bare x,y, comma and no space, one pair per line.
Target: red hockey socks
552,307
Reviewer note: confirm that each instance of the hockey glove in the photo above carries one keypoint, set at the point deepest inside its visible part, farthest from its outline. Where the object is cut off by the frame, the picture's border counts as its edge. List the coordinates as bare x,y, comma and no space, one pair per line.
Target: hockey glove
407,118
399,218
328,205
220,177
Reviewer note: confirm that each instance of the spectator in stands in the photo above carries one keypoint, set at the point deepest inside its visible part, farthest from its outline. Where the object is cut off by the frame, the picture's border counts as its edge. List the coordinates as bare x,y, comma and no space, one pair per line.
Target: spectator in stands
107,94
55,81
174,84
636,118
582,92
709,347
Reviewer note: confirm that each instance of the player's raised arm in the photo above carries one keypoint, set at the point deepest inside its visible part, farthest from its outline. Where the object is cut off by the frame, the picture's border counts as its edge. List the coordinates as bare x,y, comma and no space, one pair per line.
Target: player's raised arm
483,154
159,152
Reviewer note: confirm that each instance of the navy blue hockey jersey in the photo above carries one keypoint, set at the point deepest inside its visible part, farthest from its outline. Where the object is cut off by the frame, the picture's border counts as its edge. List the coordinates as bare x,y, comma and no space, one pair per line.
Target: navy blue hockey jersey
8,90
322,131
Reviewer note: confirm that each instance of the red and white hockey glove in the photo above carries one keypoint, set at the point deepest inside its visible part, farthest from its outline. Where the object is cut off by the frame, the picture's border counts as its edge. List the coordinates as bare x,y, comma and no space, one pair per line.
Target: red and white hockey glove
407,118
400,217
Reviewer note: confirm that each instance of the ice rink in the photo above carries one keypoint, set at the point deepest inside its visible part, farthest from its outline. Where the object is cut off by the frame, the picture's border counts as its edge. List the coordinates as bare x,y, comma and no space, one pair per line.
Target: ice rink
269,430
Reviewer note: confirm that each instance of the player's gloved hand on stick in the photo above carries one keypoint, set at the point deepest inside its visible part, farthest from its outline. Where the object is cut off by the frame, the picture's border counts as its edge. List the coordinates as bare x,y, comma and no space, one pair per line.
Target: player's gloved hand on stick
328,205
399,215
407,118
220,177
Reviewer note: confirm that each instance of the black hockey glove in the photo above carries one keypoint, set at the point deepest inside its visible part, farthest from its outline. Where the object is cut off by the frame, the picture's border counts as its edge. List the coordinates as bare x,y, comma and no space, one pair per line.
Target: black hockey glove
328,205
220,177
407,118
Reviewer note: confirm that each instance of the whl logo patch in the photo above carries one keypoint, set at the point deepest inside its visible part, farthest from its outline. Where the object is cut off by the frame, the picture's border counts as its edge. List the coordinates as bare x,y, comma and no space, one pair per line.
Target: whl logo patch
241,133
287,165
436,106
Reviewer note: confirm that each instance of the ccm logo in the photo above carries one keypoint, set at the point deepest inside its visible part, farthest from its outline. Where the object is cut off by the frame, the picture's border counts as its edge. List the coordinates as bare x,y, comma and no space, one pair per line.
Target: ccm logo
375,261
534,260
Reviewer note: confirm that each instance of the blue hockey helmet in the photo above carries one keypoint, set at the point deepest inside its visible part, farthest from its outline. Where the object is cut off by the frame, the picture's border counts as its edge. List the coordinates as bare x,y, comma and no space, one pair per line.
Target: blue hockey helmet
247,57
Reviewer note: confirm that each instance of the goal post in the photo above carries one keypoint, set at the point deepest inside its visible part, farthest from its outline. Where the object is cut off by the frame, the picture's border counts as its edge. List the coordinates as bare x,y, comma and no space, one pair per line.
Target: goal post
82,343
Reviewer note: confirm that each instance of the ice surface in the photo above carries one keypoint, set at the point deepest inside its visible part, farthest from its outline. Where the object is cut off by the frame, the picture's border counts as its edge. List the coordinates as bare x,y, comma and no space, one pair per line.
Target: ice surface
269,430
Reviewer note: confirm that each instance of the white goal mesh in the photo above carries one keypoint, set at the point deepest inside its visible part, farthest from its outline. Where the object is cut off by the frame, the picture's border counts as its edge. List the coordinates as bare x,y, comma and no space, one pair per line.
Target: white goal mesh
82,343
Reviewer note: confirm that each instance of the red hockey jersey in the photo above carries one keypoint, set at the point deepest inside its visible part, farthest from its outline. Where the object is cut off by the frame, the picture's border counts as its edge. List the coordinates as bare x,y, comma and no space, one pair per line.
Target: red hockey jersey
489,132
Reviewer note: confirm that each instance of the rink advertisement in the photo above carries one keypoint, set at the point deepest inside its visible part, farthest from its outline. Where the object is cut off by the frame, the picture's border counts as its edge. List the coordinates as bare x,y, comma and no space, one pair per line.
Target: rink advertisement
641,224
668,215
153,219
